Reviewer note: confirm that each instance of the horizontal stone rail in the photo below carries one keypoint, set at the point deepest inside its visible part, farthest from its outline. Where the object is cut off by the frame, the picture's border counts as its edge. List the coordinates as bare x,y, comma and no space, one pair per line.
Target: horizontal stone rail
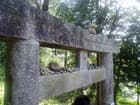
21,23
54,85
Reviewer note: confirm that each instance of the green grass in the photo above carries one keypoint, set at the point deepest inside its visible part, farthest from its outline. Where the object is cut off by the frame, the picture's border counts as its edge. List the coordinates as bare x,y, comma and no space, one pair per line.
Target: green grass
126,101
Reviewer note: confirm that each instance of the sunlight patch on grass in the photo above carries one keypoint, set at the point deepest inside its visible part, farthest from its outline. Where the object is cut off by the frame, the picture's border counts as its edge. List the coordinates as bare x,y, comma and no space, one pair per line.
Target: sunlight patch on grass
126,101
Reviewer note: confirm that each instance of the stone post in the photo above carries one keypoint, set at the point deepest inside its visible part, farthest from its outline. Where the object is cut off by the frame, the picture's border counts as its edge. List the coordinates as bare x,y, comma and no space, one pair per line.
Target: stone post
8,78
81,59
45,5
106,87
25,72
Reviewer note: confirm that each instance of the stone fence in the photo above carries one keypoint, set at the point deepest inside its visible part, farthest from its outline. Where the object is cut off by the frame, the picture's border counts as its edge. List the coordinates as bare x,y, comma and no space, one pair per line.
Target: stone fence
25,29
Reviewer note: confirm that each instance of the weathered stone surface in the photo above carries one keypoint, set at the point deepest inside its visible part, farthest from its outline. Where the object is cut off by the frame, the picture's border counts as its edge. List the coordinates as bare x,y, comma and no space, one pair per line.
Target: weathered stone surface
47,71
54,85
92,66
12,17
54,66
28,26
106,87
45,5
25,72
49,30
81,59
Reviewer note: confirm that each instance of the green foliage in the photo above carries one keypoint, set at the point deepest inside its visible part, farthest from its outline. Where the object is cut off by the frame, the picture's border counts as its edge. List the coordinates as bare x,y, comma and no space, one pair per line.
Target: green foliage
92,58
126,101
106,15
46,56
126,62
62,57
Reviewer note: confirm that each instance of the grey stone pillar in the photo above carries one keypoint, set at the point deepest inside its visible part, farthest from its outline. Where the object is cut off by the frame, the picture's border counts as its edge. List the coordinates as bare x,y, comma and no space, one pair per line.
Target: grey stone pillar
45,6
81,59
25,72
106,87
8,78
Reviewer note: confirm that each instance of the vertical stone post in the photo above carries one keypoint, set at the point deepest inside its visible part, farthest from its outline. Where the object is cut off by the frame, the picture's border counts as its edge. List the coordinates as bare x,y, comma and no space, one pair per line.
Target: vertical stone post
81,59
106,87
45,5
25,72
8,78
81,62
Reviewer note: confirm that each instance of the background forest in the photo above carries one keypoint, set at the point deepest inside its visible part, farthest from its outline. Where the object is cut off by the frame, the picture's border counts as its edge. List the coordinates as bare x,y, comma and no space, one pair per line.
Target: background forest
118,20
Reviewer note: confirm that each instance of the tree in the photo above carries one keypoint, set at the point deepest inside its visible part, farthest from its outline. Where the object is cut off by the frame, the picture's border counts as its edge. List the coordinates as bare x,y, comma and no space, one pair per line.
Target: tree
104,14
134,37
126,62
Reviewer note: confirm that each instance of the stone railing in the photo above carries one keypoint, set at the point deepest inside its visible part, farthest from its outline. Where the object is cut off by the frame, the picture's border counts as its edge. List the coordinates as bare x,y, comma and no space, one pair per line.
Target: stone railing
54,85
26,28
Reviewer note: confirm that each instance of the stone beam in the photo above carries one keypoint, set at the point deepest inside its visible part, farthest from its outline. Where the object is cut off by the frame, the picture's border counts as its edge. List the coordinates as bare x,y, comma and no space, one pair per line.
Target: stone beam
54,85
49,30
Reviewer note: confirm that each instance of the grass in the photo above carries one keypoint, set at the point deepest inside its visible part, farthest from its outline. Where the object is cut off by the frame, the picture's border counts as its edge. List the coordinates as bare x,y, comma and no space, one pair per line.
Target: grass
126,101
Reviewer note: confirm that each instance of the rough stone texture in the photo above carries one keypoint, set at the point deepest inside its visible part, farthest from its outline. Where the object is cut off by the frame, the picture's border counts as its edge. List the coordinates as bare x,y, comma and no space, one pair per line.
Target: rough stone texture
81,59
49,30
25,72
13,17
47,71
54,85
29,25
106,94
45,5
8,78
